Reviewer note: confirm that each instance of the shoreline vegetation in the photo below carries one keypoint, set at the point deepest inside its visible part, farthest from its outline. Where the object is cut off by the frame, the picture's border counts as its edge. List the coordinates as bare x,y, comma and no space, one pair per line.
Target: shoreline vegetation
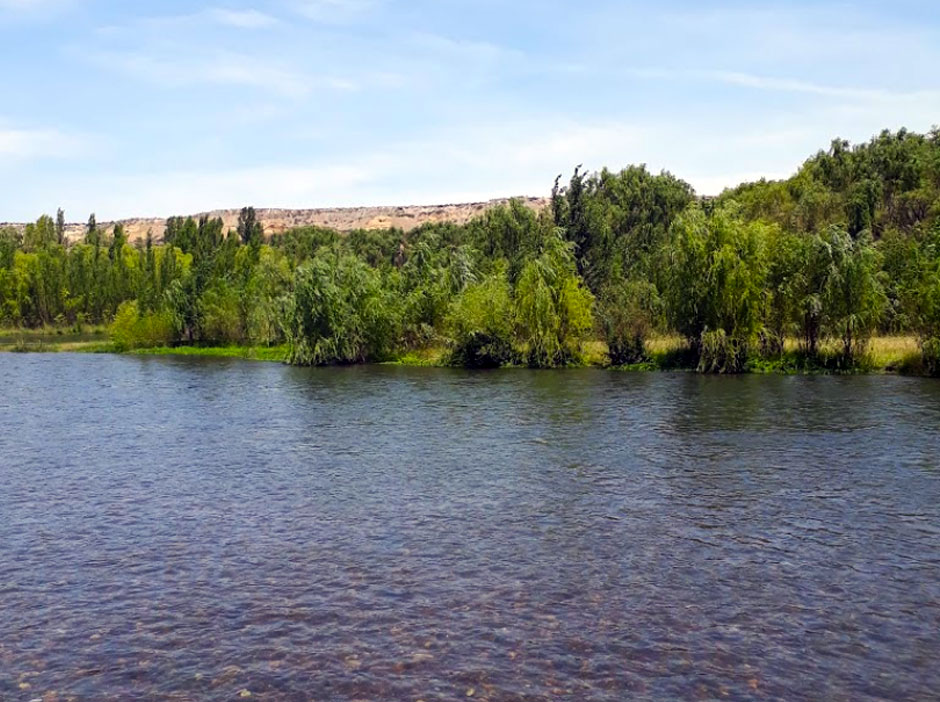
886,354
834,270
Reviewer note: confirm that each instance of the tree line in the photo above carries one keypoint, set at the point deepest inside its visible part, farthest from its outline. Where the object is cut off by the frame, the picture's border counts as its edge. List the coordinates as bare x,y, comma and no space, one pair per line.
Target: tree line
847,248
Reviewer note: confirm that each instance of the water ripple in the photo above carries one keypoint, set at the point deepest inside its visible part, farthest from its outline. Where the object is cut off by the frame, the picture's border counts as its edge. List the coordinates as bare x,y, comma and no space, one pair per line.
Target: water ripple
182,529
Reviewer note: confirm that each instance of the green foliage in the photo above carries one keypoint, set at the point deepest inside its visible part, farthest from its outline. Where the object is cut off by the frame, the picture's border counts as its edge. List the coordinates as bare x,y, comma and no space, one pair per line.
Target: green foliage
60,227
721,353
133,330
339,313
848,246
930,349
92,233
553,310
221,321
920,296
264,296
887,183
480,324
249,229
715,270
628,312
509,233
617,221
40,235
854,298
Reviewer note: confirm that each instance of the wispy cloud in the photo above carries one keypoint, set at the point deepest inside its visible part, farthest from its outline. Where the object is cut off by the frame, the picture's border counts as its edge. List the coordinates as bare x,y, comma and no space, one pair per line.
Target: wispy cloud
801,86
29,5
33,10
334,11
789,85
217,68
189,191
195,21
18,144
243,19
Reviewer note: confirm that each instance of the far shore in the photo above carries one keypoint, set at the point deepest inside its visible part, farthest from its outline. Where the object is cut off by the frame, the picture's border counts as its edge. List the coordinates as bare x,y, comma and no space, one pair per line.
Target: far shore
886,354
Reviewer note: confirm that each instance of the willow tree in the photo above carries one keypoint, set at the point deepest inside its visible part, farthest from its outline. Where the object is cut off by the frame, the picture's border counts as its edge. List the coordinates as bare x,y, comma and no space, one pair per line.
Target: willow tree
553,308
922,299
627,312
854,298
714,271
479,324
338,313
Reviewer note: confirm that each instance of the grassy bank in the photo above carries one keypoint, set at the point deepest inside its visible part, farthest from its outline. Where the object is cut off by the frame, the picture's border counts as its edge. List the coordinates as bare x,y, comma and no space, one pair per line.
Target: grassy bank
251,353
54,339
886,354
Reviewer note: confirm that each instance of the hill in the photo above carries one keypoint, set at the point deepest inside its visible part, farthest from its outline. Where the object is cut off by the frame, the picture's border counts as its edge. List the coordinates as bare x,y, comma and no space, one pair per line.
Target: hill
344,219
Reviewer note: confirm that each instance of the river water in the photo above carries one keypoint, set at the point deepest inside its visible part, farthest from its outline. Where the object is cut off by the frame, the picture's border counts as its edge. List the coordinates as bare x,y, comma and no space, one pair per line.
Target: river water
190,529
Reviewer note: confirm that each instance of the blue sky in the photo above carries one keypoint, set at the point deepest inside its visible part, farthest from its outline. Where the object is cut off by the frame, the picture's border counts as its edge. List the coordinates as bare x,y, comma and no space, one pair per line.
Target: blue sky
156,108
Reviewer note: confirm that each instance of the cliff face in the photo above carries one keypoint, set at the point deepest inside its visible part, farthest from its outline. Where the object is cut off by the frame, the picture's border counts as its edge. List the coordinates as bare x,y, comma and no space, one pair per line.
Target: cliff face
343,219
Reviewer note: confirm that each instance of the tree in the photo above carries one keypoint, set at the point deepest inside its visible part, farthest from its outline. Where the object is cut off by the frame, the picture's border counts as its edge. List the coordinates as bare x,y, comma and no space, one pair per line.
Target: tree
92,235
118,239
60,226
922,300
552,307
785,264
39,235
854,297
627,312
249,228
714,288
338,313
480,324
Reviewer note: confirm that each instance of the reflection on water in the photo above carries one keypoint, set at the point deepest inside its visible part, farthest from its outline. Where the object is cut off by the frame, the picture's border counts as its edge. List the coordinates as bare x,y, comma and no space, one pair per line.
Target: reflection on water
190,529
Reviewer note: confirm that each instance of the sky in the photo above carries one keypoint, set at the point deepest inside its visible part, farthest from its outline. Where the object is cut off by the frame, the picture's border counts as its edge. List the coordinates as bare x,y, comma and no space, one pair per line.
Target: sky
158,108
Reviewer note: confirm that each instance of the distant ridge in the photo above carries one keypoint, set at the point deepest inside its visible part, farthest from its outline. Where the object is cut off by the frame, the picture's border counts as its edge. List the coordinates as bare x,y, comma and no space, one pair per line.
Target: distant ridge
344,219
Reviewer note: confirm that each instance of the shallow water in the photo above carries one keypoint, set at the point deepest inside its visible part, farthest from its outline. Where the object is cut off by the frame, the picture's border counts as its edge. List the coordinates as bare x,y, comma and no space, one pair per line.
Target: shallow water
190,529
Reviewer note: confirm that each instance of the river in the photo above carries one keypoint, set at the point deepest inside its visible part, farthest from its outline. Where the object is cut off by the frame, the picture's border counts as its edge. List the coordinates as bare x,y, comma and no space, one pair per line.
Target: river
197,529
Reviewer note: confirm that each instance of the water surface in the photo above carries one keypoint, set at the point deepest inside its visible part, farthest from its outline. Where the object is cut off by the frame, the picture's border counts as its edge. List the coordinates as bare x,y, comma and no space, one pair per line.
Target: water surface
196,529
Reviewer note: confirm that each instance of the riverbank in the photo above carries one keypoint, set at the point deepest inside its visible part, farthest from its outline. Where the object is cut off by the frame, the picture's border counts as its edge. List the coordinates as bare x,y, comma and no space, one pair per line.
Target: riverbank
886,354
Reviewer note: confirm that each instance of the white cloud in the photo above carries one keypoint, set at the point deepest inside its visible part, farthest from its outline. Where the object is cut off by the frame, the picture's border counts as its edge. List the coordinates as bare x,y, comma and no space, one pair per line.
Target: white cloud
747,80
195,21
789,85
219,68
243,19
29,5
32,10
24,144
190,191
334,11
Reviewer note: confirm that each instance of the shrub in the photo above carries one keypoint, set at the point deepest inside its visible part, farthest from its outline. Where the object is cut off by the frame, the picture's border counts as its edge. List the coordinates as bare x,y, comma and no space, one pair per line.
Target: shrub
720,353
553,309
715,269
480,325
930,349
338,313
626,315
133,330
220,314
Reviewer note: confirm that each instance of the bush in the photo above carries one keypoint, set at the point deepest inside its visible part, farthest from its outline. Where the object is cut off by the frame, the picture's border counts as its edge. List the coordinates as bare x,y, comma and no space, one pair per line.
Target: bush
714,273
480,324
220,316
133,330
626,313
553,309
720,353
930,349
339,313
